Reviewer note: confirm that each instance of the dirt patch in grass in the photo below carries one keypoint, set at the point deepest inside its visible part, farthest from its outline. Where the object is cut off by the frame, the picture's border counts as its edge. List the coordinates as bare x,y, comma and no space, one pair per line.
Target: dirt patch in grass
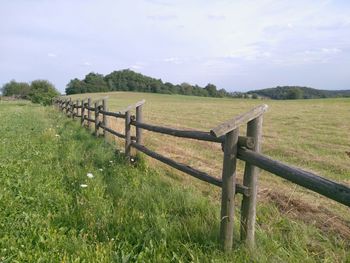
316,215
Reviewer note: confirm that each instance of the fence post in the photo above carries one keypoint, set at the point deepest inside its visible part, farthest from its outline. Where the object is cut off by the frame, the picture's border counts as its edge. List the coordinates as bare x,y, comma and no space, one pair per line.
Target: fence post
250,179
228,189
104,117
76,105
67,102
82,113
71,108
96,118
139,118
89,113
127,134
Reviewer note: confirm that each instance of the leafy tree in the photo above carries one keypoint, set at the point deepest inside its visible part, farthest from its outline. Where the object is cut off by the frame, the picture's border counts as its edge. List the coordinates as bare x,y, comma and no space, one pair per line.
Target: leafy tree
128,80
13,88
42,91
294,94
211,88
299,92
95,82
255,96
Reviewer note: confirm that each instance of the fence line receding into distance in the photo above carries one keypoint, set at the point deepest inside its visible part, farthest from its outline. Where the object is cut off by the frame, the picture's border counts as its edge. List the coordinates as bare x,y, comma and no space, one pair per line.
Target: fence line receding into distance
234,146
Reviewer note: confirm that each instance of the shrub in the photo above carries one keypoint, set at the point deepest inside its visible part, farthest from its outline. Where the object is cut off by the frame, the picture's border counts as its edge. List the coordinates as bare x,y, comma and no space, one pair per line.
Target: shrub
42,91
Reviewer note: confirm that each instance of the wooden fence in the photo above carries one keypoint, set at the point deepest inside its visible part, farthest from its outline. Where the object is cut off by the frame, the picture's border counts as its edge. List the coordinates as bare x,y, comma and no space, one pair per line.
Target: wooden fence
234,146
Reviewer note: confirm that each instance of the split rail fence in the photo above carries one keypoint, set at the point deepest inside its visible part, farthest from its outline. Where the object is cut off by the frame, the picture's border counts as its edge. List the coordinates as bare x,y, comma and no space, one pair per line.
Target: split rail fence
246,148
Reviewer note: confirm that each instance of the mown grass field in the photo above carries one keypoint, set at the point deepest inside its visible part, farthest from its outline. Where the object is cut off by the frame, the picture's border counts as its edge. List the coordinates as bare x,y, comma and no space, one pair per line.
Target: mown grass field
311,134
136,214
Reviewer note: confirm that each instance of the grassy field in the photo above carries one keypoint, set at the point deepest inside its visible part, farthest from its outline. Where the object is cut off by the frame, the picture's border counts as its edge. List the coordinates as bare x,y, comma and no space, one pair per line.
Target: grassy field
136,214
311,134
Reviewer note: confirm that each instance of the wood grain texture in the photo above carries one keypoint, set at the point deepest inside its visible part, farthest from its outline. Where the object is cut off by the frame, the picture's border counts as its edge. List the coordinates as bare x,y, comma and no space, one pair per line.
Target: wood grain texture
234,123
335,191
228,190
250,179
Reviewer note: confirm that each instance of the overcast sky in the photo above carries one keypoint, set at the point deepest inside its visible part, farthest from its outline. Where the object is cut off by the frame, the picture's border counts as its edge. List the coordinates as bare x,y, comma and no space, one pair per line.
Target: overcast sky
237,45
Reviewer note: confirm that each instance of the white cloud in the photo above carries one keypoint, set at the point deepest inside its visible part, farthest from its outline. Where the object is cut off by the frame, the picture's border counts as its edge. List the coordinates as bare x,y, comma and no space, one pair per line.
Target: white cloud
162,17
87,64
216,17
174,60
331,50
249,53
224,37
136,67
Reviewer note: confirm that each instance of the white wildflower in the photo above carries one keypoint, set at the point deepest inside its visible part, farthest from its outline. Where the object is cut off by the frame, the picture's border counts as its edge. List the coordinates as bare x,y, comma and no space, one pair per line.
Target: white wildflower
83,185
100,169
132,159
111,161
57,135
90,175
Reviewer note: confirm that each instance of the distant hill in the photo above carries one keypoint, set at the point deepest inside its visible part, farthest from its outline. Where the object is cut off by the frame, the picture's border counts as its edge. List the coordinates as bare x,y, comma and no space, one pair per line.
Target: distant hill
128,80
297,92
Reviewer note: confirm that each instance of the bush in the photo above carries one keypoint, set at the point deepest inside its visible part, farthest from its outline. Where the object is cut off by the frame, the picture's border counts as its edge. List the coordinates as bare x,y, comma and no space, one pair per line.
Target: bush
42,91
17,89
39,91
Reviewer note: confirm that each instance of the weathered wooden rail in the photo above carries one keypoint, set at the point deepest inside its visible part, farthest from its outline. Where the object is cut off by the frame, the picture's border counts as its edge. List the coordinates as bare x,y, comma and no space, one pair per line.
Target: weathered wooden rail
246,148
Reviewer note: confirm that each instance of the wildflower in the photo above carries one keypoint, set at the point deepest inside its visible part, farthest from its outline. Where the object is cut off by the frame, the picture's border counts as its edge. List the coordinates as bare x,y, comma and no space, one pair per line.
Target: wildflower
111,161
57,135
83,185
101,169
132,159
90,175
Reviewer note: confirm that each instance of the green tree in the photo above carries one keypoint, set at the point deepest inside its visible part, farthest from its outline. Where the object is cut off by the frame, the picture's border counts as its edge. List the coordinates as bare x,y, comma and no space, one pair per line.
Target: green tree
13,88
75,86
255,96
294,94
128,80
211,88
42,91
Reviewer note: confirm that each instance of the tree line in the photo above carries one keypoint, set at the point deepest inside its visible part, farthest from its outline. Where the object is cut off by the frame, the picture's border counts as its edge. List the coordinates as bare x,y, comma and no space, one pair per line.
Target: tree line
38,91
299,92
128,80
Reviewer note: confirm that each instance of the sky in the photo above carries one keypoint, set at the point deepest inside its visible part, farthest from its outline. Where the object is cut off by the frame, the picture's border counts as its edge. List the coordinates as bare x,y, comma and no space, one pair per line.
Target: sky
236,45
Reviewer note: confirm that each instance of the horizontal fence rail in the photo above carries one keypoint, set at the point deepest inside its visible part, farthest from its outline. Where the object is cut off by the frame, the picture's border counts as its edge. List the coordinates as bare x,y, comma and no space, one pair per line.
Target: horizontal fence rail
113,114
197,135
318,184
187,169
246,148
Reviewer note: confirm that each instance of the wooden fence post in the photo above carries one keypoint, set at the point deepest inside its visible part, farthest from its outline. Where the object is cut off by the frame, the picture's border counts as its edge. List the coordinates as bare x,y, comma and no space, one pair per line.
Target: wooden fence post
70,108
76,105
89,113
82,113
250,179
67,107
104,117
96,118
139,118
127,134
228,189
